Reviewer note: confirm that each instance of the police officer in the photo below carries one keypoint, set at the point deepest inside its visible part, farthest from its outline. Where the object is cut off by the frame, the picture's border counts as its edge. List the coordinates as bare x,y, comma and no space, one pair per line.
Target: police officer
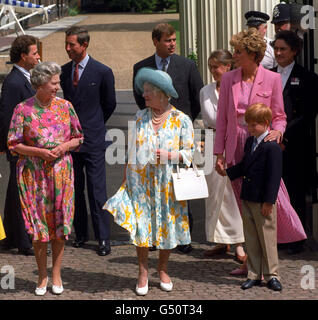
258,20
282,17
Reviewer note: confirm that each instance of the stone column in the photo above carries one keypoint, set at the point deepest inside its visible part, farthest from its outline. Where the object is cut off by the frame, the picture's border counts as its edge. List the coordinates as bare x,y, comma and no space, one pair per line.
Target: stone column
188,26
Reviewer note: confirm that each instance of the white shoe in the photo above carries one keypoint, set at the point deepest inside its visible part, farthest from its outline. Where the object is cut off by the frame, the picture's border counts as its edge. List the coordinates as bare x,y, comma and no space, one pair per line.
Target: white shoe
166,286
57,289
41,291
142,291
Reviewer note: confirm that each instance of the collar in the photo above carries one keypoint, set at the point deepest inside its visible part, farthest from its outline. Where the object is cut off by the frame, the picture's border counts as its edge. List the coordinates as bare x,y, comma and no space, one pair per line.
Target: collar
262,137
83,63
25,72
288,68
158,59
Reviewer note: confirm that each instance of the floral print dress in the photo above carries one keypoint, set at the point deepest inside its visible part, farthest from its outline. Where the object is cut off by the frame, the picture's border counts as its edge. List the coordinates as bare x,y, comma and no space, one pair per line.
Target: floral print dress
46,188
145,204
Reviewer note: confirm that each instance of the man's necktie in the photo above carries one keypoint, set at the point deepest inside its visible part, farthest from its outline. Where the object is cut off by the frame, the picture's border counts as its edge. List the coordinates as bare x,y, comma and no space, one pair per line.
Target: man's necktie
164,65
75,75
254,145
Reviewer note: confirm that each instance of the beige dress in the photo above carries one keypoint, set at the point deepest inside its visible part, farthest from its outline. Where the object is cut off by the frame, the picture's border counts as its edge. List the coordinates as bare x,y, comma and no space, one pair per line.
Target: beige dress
223,222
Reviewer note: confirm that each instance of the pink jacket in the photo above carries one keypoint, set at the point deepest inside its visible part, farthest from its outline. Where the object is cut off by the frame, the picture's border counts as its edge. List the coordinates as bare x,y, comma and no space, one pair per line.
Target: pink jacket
267,89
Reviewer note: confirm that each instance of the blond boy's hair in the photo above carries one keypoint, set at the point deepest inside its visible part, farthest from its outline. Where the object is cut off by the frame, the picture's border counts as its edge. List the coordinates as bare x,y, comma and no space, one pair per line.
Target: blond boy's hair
259,113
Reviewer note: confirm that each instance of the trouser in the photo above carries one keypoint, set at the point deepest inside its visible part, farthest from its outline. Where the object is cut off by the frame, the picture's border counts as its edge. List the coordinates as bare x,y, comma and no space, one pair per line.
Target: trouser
261,241
16,235
93,167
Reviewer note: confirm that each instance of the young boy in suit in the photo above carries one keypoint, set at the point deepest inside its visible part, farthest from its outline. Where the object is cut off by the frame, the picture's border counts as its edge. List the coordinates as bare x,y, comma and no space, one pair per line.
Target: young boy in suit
261,169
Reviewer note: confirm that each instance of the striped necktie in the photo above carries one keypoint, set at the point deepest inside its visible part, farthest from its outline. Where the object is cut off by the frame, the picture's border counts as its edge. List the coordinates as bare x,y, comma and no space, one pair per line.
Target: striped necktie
164,65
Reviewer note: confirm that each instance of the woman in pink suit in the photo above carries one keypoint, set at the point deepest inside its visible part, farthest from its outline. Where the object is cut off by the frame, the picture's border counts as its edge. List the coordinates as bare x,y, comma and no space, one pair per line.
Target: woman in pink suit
248,84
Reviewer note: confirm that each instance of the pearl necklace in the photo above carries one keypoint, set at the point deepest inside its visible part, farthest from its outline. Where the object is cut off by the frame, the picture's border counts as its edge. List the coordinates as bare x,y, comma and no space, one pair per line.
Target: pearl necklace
156,120
41,104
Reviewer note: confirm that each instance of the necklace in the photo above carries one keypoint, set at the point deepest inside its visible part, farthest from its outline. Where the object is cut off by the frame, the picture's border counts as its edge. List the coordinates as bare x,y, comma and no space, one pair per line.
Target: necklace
158,119
42,105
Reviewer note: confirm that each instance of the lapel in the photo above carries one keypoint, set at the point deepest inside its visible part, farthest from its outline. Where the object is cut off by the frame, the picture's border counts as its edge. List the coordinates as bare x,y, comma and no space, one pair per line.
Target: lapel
27,84
288,87
251,157
172,66
258,82
236,86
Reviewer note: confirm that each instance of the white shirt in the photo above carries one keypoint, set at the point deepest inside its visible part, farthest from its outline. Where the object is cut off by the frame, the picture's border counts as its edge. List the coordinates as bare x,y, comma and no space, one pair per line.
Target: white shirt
209,98
285,72
25,72
269,61
261,138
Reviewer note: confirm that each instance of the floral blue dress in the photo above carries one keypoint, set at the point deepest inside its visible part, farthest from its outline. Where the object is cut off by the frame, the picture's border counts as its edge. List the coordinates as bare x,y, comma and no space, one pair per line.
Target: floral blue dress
145,204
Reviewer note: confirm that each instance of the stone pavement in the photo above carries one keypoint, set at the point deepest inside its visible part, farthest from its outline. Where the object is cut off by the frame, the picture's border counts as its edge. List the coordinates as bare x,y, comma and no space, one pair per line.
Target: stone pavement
87,276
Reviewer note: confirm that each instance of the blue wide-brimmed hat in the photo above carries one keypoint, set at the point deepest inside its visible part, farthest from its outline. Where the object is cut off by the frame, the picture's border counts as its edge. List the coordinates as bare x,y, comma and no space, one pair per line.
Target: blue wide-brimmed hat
157,78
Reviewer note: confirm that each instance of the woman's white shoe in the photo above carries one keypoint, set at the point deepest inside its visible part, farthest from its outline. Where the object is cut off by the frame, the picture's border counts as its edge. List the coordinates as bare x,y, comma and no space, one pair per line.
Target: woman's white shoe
41,291
166,286
142,291
57,289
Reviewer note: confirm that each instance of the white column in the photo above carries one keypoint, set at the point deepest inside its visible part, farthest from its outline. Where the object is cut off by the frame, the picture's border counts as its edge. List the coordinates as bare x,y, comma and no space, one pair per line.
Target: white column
188,26
207,35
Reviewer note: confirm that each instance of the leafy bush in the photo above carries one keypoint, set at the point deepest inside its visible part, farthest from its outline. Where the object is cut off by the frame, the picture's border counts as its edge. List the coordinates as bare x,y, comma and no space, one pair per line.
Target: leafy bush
141,5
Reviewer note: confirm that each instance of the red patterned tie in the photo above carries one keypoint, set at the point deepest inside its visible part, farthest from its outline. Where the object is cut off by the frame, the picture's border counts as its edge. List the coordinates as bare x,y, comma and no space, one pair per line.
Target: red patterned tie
75,75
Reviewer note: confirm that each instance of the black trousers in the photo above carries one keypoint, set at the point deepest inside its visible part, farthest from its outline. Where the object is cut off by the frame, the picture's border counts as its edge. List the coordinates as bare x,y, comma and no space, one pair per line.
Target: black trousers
13,222
92,168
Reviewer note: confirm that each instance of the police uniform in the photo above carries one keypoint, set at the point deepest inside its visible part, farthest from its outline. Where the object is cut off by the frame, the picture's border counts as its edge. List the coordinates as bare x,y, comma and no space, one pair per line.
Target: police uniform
281,13
254,19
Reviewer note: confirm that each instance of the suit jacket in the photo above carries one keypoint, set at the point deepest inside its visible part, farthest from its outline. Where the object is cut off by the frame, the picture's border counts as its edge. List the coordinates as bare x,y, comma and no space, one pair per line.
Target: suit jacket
93,99
261,172
186,80
267,89
300,103
15,89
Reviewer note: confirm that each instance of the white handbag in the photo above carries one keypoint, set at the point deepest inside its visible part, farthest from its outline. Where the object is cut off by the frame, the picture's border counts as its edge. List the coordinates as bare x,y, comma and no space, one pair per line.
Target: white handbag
189,184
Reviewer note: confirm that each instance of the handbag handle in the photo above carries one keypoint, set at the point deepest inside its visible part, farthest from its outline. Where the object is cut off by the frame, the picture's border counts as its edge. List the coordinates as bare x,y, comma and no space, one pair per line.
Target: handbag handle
195,169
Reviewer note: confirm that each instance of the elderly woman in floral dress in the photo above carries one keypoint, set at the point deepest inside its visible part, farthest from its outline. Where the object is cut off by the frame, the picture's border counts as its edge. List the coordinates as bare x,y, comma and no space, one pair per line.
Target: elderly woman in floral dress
43,130
145,204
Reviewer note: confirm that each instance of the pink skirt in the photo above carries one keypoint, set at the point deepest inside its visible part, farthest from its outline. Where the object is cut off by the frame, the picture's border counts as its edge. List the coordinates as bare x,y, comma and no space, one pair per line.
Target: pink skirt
289,227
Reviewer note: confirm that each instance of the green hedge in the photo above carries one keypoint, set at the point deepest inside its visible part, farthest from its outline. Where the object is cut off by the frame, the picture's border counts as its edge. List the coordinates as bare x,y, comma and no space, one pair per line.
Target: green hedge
141,5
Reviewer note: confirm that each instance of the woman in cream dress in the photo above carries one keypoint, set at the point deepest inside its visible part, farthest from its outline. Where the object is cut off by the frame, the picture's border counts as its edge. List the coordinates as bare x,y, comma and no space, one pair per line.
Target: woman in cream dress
223,222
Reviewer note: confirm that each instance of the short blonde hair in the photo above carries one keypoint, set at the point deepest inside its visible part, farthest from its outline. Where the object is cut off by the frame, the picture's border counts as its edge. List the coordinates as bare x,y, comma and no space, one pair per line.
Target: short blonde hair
251,41
259,113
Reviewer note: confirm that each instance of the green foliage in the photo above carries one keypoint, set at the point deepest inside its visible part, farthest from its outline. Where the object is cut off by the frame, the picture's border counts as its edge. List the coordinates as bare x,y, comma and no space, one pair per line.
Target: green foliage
193,56
73,11
141,5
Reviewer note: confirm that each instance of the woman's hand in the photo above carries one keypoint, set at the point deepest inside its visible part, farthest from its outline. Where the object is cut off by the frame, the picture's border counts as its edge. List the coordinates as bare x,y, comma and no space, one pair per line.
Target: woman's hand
274,135
61,149
164,155
47,155
220,165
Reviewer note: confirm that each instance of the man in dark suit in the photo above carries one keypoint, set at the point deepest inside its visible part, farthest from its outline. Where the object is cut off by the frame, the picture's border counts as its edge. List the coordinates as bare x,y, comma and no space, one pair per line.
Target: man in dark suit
185,78
261,169
300,103
15,89
90,86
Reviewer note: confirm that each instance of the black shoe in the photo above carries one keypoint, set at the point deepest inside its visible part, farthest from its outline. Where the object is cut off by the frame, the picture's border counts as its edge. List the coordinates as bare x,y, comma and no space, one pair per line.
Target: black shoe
185,248
248,284
103,248
274,284
153,248
78,243
26,251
